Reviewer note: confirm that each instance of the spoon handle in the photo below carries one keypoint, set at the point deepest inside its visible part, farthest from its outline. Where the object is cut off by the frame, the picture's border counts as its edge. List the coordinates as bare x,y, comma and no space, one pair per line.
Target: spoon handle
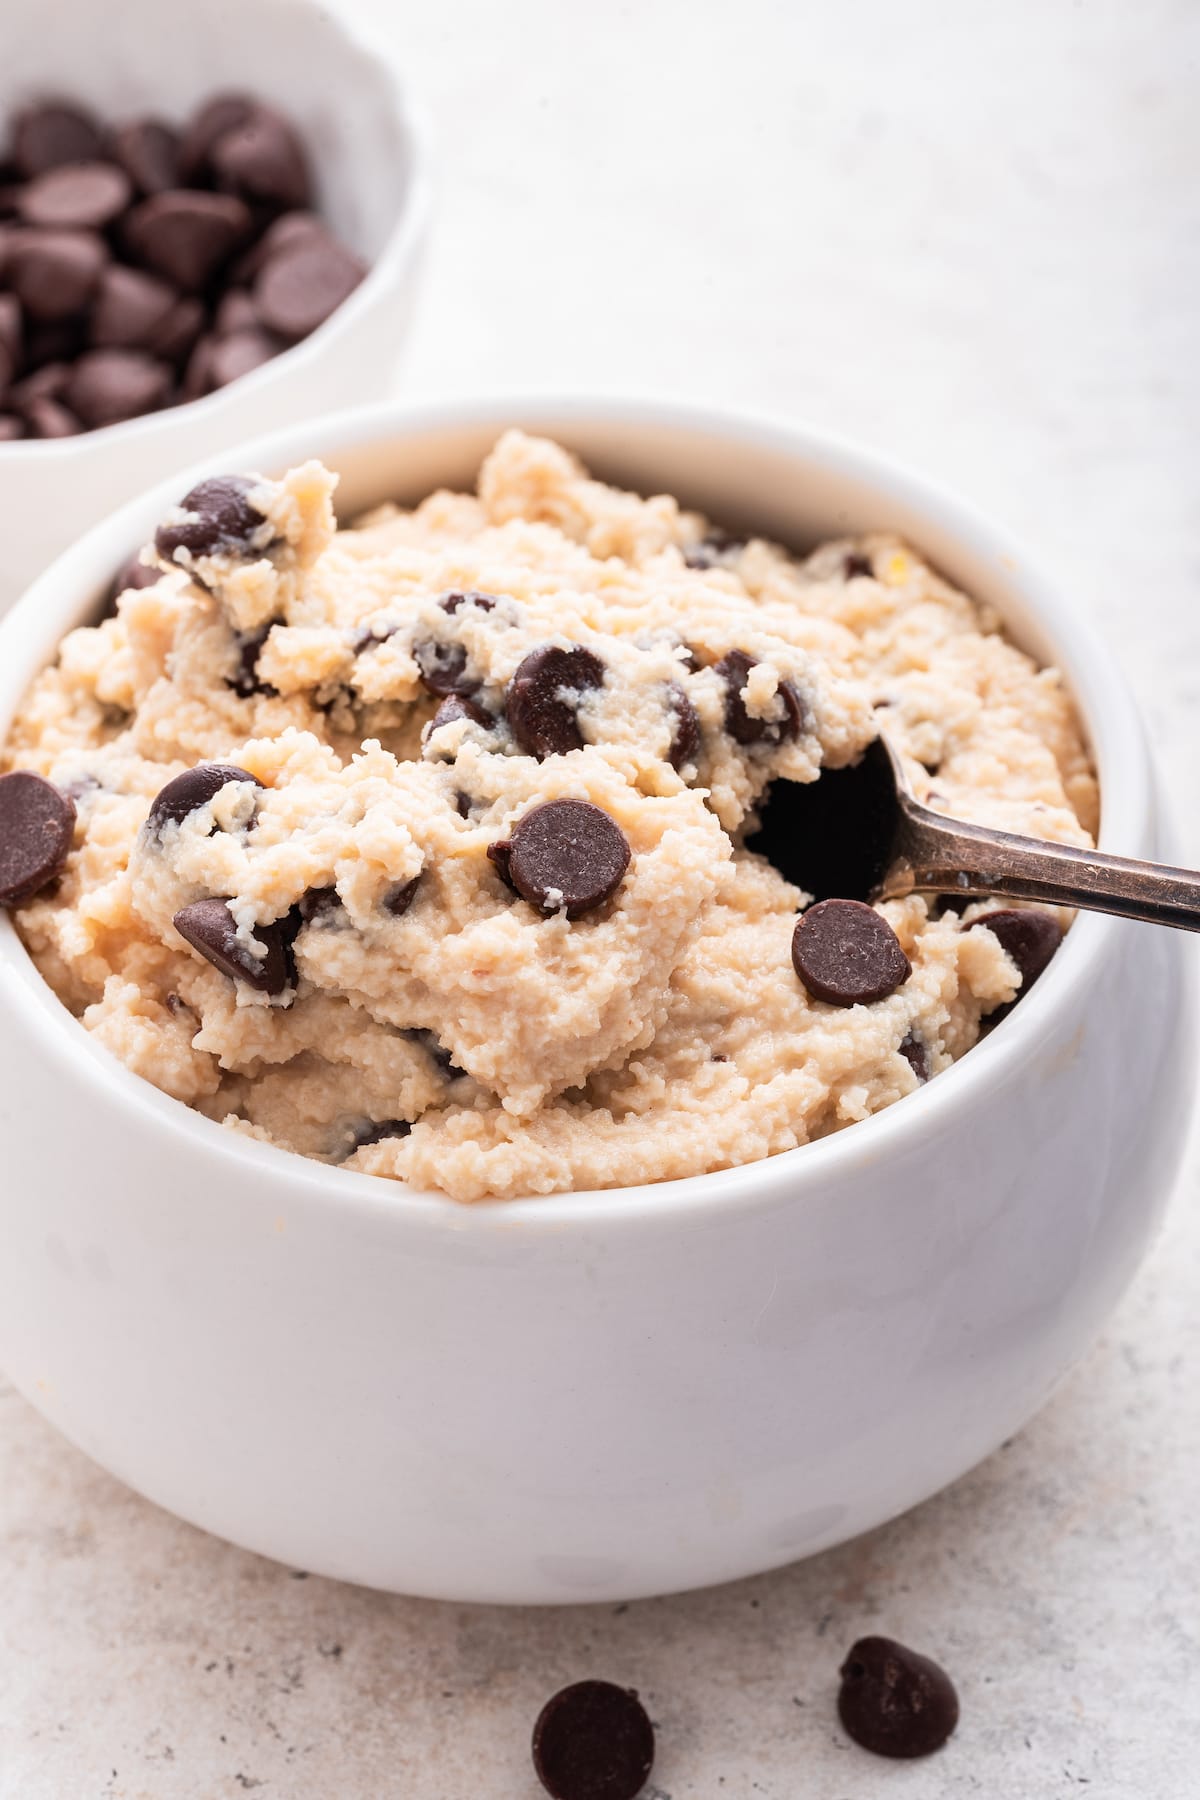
949,856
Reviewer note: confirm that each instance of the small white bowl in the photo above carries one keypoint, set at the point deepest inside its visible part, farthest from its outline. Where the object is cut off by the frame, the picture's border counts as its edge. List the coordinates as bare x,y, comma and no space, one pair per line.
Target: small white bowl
368,158
595,1396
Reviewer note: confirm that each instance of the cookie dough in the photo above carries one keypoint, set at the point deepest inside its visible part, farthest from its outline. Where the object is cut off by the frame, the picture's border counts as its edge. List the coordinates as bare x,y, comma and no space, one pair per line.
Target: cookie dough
466,901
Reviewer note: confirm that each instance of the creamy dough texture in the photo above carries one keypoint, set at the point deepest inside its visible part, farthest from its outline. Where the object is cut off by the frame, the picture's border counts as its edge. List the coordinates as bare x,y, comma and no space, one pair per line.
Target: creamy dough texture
447,1033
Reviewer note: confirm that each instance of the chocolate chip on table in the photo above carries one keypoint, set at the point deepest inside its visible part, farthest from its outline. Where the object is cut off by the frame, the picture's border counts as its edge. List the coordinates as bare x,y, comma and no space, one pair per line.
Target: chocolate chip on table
130,307
461,706
107,386
734,670
299,288
894,1701
187,793
543,721
78,196
55,273
402,896
37,823
564,855
209,927
593,1741
51,134
187,235
847,955
148,152
262,161
916,1055
217,517
1030,938
685,728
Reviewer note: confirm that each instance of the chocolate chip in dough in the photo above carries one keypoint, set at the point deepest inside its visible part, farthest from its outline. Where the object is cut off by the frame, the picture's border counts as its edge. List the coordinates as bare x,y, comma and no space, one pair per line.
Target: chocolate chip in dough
135,574
1030,938
895,1702
108,386
847,955
855,563
712,548
452,603
564,854
377,1131
298,289
37,823
916,1055
55,273
262,161
685,728
209,927
246,682
593,1741
50,134
443,668
402,896
543,696
461,706
187,793
187,236
734,670
148,152
77,197
218,517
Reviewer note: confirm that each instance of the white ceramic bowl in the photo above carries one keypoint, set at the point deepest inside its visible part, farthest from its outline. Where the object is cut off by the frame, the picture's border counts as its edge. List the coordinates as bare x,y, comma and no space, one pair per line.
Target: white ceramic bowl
595,1395
368,158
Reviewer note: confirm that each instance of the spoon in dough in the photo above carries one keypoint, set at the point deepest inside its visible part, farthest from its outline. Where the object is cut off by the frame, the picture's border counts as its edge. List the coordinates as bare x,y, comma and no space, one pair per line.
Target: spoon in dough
861,833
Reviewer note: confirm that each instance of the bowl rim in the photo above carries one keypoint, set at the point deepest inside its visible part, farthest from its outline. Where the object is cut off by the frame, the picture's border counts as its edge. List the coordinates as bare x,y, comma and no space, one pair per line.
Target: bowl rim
1111,723
398,250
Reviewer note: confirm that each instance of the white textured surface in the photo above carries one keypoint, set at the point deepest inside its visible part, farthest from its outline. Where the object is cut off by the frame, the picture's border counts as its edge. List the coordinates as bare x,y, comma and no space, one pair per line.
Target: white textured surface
970,236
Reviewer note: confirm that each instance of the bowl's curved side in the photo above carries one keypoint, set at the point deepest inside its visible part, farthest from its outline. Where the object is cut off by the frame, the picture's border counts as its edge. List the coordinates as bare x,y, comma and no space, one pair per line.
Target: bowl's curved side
594,1396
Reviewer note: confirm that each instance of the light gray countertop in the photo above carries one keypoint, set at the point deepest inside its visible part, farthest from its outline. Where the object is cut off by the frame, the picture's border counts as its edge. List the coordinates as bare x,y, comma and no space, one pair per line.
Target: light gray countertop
971,237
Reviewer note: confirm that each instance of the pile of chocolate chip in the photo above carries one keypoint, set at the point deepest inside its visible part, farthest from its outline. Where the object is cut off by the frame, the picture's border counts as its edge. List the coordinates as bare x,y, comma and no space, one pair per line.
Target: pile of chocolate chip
142,266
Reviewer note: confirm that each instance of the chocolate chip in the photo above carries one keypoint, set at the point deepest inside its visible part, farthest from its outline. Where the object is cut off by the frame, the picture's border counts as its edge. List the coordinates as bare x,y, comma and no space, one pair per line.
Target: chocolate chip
262,161
77,197
285,233
175,338
11,334
451,603
187,793
712,548
47,383
55,273
48,419
110,385
378,1131
129,308
461,706
37,823
444,1061
51,134
236,311
223,113
135,574
235,355
245,682
187,236
734,670
593,1741
402,896
543,696
148,151
856,564
443,668
298,289
564,854
1030,938
895,1702
685,727
217,518
847,955
11,428
209,927
916,1055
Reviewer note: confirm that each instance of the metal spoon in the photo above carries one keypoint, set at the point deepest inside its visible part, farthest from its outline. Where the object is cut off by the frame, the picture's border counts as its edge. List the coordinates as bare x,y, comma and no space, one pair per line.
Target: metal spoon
862,834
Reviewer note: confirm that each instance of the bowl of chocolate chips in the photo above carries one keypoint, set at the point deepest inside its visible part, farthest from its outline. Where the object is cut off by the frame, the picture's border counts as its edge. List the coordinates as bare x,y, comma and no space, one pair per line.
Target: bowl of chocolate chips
205,230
